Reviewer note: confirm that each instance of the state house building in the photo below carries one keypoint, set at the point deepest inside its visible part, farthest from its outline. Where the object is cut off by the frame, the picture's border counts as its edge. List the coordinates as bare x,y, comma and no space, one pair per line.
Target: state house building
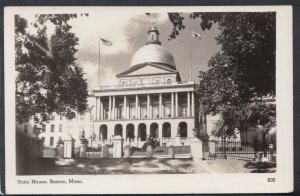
150,99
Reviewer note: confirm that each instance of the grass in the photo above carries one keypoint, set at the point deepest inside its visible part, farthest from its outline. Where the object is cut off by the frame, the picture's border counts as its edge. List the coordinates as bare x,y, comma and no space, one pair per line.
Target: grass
94,166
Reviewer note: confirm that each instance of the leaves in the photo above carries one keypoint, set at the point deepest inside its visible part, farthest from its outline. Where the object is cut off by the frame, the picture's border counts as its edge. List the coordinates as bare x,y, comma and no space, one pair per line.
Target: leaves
48,83
242,74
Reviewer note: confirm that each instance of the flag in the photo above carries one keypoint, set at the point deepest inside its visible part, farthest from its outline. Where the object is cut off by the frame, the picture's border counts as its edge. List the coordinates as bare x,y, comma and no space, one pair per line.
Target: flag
106,42
196,35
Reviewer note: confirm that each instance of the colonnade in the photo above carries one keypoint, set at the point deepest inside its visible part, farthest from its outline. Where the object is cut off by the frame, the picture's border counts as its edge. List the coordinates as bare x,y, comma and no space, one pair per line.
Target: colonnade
102,107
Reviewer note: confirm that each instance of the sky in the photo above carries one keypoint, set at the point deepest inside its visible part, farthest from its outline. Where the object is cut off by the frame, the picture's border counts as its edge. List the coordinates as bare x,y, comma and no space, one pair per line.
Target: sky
128,32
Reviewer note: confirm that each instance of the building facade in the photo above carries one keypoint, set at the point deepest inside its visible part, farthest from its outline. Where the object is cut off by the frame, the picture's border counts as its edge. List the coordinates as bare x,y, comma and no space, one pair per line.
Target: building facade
150,99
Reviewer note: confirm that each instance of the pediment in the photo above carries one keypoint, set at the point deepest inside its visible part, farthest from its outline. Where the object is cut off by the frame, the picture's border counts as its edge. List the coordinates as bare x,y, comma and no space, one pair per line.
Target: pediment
147,69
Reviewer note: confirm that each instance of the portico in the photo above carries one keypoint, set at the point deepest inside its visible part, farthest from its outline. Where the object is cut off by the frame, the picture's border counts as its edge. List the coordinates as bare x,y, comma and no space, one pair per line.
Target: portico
150,99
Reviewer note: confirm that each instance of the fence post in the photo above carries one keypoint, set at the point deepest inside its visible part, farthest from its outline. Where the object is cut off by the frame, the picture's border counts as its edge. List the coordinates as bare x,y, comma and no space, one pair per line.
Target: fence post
196,149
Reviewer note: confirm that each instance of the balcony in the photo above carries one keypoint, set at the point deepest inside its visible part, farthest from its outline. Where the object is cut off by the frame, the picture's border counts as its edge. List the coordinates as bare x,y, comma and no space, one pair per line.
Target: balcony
129,86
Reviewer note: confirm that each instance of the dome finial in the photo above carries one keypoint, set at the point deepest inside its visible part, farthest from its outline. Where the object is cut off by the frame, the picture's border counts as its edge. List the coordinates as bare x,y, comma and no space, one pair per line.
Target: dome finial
153,35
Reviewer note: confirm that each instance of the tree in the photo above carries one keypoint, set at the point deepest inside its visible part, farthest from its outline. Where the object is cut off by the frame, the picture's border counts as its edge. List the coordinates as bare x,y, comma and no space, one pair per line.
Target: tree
48,77
248,39
242,74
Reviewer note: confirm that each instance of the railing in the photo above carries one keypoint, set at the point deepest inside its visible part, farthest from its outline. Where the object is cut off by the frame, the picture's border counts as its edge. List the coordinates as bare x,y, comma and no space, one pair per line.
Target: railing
144,85
239,150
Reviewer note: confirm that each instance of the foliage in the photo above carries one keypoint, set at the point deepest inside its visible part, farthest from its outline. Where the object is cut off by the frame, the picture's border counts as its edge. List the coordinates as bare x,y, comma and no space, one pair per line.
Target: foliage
242,74
248,38
48,78
152,142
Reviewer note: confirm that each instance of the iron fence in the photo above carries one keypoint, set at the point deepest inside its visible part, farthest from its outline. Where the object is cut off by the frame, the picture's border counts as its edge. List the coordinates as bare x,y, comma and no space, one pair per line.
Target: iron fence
238,149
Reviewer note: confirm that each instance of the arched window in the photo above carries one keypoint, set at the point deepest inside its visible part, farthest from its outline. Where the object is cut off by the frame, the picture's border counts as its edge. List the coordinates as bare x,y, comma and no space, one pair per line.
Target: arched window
142,135
182,129
166,130
154,130
103,132
118,130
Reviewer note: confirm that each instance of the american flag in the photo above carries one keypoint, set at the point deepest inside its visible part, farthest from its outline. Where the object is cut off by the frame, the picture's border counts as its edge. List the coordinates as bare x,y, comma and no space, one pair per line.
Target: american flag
106,42
196,35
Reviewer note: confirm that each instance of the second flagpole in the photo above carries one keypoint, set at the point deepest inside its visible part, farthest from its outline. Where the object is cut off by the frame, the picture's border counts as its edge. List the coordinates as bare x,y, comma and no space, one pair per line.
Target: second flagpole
99,62
190,54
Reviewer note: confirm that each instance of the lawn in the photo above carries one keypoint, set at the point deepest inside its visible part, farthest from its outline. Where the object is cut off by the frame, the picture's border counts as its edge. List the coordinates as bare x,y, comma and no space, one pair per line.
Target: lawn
91,166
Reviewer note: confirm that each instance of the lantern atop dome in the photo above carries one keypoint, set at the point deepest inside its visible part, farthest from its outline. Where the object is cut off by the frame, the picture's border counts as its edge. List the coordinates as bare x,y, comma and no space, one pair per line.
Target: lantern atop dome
153,36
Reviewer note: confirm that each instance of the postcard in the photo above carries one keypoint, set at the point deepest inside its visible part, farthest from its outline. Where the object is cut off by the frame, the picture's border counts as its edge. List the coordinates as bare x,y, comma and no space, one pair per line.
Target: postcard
119,100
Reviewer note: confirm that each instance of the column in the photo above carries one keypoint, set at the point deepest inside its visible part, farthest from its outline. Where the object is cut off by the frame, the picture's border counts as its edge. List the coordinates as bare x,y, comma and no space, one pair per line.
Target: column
113,107
148,106
151,108
139,108
176,104
160,131
136,105
188,104
101,110
97,109
160,105
125,107
172,105
109,107
193,104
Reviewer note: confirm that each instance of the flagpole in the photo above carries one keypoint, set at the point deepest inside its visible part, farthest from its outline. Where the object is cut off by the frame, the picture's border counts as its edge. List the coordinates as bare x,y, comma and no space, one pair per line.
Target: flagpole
190,53
99,62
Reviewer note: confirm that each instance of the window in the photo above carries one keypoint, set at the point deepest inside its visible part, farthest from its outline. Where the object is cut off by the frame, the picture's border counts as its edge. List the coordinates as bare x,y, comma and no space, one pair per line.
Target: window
35,129
52,117
25,128
156,81
81,117
52,128
51,141
60,128
44,128
60,117
43,139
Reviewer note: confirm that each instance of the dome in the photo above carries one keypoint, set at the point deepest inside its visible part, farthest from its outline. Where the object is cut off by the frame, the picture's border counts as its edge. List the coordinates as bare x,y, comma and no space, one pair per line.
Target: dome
153,53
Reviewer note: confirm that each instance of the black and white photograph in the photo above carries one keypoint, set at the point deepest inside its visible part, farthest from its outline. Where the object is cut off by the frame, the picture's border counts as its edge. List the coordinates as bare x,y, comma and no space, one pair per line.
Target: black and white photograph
151,93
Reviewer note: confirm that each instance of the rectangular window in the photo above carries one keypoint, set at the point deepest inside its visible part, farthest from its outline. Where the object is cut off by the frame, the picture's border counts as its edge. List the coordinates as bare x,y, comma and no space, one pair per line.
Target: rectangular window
60,128
52,128
25,128
35,129
52,117
44,128
51,141
81,117
60,117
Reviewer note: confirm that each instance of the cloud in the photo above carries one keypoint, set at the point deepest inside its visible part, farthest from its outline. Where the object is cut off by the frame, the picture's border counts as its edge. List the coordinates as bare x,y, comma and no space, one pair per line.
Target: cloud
107,75
121,28
118,28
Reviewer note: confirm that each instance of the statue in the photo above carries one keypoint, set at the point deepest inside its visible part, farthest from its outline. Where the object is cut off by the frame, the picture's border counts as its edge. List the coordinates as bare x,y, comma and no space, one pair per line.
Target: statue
82,136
